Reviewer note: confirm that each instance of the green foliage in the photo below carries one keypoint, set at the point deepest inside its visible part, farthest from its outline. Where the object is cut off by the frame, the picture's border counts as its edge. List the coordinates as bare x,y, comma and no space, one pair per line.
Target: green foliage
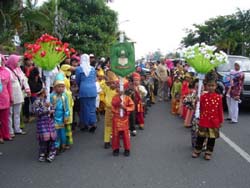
229,33
92,25
89,25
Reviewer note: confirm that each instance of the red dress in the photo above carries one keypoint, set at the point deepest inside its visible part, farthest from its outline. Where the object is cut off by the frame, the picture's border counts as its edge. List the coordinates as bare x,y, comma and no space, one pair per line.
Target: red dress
120,125
211,110
184,93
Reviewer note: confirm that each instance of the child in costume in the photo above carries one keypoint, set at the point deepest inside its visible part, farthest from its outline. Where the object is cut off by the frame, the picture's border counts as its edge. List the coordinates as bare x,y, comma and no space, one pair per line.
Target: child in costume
140,93
131,93
184,93
75,91
66,70
46,132
59,100
189,102
101,80
175,95
109,89
211,118
121,123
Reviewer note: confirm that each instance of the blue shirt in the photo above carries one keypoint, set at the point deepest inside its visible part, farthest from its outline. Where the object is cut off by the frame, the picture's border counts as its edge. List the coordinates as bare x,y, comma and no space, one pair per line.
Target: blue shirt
87,85
61,105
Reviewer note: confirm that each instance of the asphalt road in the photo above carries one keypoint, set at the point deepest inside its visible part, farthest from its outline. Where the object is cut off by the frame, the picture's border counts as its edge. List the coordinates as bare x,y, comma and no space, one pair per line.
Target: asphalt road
160,158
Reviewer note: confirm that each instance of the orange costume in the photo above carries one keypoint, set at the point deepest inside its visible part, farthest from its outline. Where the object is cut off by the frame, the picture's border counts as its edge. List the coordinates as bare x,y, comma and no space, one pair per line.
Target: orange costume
121,124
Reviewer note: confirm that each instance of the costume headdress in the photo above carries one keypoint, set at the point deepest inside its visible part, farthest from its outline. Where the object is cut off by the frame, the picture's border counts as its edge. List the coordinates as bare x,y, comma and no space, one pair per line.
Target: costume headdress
112,76
136,76
59,80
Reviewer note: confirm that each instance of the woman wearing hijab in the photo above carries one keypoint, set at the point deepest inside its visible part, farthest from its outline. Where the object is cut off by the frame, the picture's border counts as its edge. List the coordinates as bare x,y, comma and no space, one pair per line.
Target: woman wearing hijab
86,81
5,101
19,83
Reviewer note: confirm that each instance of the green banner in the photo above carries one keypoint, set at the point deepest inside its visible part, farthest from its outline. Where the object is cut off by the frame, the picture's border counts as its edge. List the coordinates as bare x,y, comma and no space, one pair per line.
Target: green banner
123,58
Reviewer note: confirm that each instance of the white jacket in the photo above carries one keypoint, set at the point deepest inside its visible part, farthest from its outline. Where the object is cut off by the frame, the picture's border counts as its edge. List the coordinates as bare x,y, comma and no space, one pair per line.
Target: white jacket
18,96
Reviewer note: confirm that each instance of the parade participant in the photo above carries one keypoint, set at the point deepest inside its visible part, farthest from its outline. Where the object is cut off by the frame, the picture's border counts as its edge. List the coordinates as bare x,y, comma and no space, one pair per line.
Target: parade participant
184,93
121,124
189,102
86,81
211,118
131,93
66,70
234,91
19,83
97,103
140,93
27,68
175,95
162,73
101,80
75,91
151,88
35,83
146,99
46,132
59,100
5,101
109,89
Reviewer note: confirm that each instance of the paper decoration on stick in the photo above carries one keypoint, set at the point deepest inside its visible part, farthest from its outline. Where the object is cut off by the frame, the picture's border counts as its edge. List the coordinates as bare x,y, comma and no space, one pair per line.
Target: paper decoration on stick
47,52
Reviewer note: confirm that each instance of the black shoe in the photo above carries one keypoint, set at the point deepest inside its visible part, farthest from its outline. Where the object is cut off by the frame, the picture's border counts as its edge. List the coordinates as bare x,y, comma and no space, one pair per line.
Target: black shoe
228,119
107,145
116,152
126,153
233,122
92,129
141,128
84,129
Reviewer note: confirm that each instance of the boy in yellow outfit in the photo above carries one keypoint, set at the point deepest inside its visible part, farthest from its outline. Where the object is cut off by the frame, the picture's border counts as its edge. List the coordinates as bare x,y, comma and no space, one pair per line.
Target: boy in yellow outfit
66,70
101,80
109,89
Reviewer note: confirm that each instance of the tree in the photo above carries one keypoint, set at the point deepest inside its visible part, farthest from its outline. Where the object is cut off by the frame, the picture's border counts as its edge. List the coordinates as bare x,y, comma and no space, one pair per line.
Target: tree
229,33
92,25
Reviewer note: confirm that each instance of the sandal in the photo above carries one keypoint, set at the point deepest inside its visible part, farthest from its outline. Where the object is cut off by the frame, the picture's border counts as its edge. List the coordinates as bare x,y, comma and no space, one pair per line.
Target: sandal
208,156
1,141
195,154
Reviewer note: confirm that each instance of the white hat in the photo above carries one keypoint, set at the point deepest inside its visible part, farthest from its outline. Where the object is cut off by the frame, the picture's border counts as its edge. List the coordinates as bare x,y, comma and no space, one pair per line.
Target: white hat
91,55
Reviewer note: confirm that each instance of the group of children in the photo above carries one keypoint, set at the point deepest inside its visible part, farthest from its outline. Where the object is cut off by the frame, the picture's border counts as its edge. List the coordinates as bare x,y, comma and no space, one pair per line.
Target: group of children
123,109
184,95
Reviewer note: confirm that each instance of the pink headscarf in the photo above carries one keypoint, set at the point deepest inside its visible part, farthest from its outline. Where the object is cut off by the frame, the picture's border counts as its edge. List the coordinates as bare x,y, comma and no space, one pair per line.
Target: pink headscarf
12,61
3,59
169,64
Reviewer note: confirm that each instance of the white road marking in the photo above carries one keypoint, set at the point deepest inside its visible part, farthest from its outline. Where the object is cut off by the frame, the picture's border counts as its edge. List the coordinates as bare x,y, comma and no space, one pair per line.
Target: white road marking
232,144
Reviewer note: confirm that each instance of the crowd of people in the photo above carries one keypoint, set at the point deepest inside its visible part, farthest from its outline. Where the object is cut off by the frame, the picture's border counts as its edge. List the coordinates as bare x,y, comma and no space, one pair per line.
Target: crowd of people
83,88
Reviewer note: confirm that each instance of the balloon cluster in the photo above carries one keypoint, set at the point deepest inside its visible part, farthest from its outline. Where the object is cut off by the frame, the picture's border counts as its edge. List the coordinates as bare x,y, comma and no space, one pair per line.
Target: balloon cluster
48,51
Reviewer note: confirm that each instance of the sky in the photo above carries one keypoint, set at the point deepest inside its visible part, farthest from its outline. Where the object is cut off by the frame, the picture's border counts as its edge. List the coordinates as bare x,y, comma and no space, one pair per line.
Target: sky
160,24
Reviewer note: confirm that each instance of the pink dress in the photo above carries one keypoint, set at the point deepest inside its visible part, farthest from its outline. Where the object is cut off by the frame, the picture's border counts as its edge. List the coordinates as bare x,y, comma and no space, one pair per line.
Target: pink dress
5,102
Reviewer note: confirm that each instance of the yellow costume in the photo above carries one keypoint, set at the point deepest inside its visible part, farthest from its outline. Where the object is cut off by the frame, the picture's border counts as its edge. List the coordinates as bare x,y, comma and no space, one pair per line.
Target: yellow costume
101,81
109,94
65,69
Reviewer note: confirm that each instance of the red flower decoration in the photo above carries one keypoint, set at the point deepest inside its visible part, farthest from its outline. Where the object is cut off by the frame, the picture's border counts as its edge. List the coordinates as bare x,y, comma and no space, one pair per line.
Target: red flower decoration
43,53
72,50
28,55
66,45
